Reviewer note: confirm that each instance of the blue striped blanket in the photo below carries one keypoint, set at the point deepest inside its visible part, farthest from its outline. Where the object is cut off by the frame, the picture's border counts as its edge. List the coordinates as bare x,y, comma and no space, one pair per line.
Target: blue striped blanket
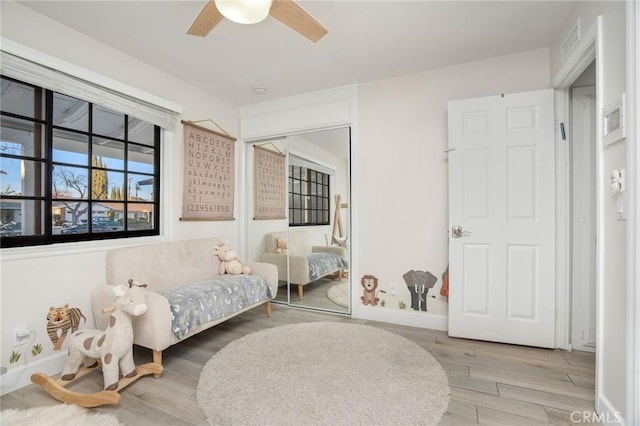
196,304
321,264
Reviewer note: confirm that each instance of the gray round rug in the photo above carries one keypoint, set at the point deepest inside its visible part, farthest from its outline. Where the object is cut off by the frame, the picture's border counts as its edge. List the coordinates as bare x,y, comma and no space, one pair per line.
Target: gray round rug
339,294
323,373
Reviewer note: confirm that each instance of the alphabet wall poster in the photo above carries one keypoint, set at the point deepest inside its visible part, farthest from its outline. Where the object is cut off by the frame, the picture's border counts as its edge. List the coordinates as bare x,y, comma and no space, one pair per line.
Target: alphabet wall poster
271,184
209,170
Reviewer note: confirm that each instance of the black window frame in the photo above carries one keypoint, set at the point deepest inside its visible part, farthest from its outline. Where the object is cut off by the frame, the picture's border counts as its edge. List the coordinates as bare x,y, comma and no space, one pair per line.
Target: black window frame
45,193
312,201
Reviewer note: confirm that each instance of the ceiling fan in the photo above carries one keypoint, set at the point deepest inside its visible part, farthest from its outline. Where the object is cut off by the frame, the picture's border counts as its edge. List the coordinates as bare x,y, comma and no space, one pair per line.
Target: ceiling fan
288,12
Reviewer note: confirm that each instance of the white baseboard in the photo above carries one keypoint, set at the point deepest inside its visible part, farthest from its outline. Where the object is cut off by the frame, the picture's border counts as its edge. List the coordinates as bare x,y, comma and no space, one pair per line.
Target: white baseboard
607,414
20,377
406,317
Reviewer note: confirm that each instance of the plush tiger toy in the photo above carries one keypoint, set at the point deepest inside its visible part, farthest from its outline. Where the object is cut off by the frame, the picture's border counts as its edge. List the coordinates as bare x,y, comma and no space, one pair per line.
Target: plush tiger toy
64,319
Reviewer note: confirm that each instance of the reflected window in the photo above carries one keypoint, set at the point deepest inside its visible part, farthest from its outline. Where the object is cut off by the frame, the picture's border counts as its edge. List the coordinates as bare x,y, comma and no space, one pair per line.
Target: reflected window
308,196
71,170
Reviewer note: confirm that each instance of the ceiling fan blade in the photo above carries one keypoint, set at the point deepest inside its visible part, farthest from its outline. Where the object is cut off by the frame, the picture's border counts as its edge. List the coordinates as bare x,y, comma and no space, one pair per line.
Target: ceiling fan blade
295,17
208,18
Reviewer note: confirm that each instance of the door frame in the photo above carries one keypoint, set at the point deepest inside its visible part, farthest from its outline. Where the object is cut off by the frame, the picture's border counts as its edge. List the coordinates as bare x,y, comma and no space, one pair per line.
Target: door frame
586,51
632,415
582,156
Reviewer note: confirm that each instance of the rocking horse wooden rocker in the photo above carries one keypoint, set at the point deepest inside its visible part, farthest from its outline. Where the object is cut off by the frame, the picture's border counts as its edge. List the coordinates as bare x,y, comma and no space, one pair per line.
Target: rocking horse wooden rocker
113,347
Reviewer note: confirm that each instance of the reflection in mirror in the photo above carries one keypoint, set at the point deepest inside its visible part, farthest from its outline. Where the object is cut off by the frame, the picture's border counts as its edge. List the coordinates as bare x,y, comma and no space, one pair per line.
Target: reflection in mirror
310,245
261,247
318,262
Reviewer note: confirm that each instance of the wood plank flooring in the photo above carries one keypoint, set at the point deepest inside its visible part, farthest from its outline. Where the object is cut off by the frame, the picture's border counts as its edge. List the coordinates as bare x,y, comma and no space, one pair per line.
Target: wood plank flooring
491,384
315,295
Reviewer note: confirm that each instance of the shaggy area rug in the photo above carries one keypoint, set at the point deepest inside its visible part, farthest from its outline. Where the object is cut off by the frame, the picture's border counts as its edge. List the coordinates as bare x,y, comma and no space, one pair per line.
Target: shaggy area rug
323,374
339,294
56,415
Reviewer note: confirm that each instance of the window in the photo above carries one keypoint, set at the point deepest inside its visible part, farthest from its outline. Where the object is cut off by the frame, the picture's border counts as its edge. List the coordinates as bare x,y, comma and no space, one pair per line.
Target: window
308,196
71,170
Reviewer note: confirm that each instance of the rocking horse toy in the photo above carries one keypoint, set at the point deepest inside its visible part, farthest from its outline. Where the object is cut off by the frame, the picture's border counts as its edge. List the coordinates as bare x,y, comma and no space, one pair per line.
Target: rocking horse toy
113,347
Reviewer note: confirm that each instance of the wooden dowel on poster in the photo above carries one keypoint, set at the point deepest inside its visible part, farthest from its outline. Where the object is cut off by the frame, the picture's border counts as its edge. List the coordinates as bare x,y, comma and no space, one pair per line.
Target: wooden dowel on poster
273,145
224,135
204,219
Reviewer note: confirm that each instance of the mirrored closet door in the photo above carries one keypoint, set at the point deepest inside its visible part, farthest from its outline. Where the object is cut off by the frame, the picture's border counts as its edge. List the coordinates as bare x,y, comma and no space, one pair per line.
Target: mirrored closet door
308,238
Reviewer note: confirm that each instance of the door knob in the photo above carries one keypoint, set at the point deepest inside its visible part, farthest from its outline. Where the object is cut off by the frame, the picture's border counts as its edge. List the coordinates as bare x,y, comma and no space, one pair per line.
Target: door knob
457,232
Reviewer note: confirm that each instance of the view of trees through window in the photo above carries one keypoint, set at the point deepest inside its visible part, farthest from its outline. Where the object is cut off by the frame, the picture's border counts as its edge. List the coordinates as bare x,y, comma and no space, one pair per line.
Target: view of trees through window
71,170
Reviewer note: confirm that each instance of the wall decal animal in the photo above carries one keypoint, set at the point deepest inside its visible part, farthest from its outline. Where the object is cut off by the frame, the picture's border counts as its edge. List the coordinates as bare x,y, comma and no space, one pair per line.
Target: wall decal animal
113,346
444,290
370,290
60,321
419,283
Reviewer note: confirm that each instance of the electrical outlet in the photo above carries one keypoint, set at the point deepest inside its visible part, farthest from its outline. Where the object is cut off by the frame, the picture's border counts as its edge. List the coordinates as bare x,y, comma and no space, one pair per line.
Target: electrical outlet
21,335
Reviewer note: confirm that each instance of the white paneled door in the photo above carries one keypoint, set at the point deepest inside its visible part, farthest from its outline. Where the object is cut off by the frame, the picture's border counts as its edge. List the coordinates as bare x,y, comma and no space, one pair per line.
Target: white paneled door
502,219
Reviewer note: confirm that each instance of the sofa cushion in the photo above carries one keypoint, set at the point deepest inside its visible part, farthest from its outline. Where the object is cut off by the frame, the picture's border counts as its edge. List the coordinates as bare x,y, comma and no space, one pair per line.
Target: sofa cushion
270,241
170,264
298,242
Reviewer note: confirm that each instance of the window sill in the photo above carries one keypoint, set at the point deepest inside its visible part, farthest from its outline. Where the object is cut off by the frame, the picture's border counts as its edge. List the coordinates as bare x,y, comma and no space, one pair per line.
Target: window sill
68,249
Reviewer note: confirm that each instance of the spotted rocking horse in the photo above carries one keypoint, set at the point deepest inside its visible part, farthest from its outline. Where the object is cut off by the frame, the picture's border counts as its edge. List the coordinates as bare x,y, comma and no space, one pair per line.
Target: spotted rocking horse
113,347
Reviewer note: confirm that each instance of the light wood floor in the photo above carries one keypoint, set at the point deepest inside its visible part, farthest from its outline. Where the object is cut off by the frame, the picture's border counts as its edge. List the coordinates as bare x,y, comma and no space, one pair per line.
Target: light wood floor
490,383
315,295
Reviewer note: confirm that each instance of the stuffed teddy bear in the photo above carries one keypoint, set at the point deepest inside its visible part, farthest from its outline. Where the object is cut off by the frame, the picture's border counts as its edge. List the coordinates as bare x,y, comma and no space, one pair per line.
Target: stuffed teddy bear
229,261
281,245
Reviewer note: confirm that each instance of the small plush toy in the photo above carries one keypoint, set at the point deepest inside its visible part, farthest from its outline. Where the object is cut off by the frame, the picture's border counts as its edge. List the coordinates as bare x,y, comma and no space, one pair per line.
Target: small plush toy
281,245
229,261
65,319
113,346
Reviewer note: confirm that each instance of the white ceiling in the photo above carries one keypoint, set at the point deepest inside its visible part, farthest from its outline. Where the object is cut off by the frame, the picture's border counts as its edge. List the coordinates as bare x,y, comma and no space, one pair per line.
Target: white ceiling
367,40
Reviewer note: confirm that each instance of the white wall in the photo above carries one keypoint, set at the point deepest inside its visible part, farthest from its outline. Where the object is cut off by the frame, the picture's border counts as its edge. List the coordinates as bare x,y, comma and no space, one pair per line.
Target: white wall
36,278
403,186
399,169
613,233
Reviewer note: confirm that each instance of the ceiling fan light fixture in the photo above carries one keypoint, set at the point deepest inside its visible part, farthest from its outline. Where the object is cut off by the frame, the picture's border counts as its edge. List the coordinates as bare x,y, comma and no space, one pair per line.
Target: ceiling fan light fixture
244,11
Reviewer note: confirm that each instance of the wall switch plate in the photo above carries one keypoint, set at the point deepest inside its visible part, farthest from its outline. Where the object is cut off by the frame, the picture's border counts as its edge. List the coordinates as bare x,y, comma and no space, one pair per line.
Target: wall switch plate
21,335
621,207
393,290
